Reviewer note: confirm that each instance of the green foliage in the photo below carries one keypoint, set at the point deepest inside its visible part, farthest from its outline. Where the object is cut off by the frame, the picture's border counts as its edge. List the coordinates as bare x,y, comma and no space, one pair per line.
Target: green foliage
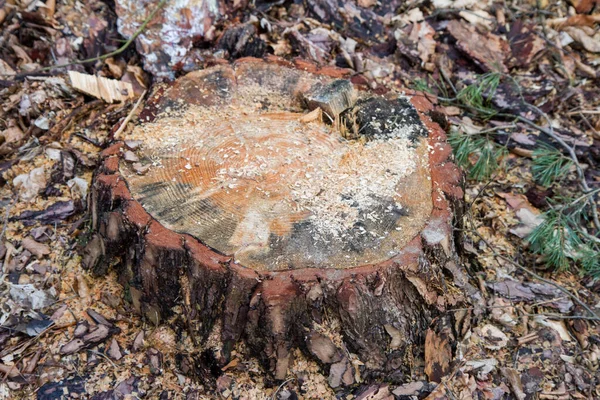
554,239
486,153
478,95
421,85
590,261
561,241
549,165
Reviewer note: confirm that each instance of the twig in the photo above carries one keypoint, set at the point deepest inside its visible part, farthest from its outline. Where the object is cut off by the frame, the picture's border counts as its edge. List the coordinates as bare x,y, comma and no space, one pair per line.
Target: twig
106,357
490,130
98,58
593,112
130,115
560,316
274,397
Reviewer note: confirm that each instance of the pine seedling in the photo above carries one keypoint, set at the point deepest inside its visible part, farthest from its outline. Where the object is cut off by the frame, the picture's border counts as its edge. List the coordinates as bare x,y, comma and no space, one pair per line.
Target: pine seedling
477,95
589,258
549,165
421,85
486,153
556,239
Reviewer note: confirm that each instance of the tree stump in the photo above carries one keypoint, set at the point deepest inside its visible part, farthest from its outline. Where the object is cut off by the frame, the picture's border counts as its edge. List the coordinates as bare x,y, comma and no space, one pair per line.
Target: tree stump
273,200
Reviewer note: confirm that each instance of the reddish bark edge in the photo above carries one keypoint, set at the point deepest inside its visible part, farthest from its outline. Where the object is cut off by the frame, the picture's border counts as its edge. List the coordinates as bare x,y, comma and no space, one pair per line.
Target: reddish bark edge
384,310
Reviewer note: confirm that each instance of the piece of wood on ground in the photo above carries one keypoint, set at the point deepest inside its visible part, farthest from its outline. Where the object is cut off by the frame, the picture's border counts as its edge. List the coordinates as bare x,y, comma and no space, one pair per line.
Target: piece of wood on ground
109,90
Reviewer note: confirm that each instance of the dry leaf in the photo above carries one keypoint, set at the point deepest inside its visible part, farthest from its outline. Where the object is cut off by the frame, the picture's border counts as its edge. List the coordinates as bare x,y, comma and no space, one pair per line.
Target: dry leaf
29,185
493,338
108,90
37,249
584,6
6,69
422,33
478,17
574,20
591,44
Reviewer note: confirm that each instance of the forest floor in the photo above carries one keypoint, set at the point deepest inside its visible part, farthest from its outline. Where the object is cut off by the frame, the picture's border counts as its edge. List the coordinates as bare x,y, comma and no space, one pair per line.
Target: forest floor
515,84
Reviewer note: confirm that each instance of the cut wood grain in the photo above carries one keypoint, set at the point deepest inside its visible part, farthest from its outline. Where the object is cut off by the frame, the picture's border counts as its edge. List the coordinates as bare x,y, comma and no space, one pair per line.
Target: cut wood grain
109,90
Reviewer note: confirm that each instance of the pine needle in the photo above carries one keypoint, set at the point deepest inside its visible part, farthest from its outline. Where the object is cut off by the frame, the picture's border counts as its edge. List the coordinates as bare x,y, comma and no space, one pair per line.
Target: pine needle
549,165
557,239
480,93
486,153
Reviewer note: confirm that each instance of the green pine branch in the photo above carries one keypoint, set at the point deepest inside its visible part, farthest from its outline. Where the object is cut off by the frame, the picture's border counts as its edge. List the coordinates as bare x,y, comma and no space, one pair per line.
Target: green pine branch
549,165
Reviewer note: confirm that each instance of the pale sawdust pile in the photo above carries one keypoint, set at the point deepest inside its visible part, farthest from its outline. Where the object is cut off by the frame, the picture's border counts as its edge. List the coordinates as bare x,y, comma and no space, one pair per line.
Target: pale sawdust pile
292,167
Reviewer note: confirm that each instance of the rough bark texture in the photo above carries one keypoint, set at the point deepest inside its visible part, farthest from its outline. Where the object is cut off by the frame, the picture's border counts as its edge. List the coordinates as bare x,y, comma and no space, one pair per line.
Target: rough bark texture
384,310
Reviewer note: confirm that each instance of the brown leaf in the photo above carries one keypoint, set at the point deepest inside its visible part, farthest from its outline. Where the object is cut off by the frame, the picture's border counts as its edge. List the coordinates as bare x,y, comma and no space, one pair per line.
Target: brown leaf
591,44
524,44
422,33
37,249
115,67
9,370
584,6
574,20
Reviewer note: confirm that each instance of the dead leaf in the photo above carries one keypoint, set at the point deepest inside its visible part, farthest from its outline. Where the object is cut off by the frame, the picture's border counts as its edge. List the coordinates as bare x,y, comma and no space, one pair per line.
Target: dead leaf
573,20
531,291
37,249
31,297
29,185
422,33
6,69
116,67
366,3
493,338
478,17
514,381
525,44
591,44
584,6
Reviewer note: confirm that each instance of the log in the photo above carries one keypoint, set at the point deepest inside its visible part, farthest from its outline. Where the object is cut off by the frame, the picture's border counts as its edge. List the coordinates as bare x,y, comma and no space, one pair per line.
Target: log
276,201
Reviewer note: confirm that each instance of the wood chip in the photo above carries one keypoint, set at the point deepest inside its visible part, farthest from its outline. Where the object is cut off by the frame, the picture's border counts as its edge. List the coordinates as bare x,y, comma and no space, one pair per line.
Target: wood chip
108,90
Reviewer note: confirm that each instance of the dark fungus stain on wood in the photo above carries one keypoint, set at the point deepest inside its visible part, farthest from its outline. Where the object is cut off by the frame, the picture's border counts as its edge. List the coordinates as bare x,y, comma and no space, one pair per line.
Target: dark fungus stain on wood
377,117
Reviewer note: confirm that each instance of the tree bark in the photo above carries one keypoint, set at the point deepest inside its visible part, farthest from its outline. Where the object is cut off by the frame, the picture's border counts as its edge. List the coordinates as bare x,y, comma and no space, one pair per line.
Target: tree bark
383,302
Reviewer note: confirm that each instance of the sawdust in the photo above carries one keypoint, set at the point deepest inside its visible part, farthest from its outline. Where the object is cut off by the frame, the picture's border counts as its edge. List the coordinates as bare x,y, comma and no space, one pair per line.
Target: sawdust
310,168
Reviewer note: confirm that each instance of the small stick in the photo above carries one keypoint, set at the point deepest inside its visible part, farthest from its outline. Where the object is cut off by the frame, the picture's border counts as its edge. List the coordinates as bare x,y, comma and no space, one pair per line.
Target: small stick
130,115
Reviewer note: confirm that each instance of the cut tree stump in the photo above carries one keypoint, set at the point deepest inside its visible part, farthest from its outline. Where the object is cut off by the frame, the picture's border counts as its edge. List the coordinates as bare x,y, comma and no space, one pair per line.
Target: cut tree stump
285,206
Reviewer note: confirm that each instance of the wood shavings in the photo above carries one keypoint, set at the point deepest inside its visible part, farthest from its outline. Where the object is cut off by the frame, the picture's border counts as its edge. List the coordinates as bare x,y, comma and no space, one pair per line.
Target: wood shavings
109,90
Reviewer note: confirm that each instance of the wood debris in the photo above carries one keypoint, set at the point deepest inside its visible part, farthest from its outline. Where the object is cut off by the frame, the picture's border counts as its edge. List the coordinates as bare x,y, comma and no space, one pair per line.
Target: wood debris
109,90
